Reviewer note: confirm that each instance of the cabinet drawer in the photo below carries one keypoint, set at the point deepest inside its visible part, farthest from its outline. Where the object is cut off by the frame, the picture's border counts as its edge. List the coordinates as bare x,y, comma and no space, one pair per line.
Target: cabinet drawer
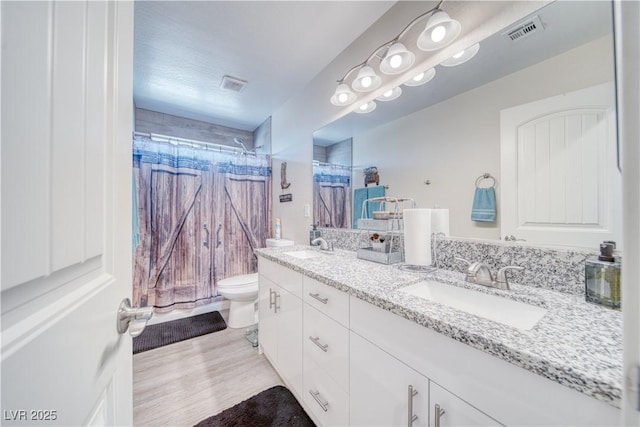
291,281
330,301
322,395
326,343
269,269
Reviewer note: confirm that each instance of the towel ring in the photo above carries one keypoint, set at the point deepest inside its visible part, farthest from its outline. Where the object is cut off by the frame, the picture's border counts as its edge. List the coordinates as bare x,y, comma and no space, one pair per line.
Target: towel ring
483,177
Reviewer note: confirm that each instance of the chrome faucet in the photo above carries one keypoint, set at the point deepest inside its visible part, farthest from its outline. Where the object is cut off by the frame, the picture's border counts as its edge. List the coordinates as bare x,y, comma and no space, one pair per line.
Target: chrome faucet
324,246
480,274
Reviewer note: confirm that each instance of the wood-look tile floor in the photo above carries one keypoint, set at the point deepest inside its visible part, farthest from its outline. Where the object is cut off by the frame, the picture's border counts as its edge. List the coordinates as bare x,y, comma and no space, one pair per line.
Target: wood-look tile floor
186,382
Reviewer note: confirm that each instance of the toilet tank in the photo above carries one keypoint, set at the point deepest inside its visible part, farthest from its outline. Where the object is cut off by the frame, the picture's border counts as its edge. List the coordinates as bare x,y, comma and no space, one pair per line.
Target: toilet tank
271,243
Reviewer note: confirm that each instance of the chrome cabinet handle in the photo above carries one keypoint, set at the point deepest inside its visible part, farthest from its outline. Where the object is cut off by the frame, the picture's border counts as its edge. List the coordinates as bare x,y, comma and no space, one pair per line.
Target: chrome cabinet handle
439,412
276,300
411,417
133,319
319,298
316,341
323,403
272,301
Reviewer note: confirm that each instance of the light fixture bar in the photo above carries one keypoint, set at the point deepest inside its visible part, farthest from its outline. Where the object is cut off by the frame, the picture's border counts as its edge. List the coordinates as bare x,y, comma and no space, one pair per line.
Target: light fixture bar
393,58
390,42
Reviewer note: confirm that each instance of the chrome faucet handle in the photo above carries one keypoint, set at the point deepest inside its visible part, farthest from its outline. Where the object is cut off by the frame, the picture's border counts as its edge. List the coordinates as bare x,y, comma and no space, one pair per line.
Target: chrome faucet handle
502,274
463,260
471,269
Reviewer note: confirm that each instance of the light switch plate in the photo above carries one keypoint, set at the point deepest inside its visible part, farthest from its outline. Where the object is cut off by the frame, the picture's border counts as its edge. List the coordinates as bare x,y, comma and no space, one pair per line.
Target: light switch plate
307,210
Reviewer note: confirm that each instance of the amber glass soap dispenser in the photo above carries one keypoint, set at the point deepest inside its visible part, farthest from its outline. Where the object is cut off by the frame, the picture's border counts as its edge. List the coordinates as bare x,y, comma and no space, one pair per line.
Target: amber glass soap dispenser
602,277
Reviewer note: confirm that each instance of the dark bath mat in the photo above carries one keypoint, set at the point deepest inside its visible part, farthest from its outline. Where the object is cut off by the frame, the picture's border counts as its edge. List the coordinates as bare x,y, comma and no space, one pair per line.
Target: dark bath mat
166,333
273,407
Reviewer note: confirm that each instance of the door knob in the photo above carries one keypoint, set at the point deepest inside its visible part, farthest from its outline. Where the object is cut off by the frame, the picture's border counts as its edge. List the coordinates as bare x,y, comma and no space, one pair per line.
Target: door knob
134,319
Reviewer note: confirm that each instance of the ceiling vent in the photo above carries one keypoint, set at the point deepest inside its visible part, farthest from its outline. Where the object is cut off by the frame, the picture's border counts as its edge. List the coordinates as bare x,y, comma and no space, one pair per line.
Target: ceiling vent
525,29
233,84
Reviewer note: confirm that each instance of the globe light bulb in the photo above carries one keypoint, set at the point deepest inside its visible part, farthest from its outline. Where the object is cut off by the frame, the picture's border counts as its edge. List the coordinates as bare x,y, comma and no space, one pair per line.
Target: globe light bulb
366,81
388,93
459,54
438,33
418,77
395,61
343,97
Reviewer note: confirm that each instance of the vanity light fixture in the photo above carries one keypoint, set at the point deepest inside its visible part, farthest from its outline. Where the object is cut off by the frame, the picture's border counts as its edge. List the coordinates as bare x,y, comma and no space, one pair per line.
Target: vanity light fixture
421,78
391,94
462,56
343,96
393,57
397,60
365,108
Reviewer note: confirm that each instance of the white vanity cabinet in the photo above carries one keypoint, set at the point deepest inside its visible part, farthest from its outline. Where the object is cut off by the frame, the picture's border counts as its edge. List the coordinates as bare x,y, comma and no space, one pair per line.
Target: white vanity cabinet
280,311
349,362
326,353
385,391
473,387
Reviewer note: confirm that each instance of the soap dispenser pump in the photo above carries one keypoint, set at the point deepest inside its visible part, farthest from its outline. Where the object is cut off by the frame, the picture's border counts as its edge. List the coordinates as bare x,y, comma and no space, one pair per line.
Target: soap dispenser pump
314,233
602,277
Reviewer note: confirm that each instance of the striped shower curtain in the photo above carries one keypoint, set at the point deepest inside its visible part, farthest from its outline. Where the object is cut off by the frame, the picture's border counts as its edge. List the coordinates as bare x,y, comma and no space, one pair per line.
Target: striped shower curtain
201,214
332,195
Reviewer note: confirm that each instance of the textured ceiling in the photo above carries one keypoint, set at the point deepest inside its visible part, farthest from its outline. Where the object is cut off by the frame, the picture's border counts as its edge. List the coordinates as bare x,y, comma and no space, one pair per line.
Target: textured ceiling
183,49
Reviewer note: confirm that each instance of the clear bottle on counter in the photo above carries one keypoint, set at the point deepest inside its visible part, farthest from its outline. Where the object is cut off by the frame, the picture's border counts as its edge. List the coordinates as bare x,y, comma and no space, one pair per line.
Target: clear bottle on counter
602,278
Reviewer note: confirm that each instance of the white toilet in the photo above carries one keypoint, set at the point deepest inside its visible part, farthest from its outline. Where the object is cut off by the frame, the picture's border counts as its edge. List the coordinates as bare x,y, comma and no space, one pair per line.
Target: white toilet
242,291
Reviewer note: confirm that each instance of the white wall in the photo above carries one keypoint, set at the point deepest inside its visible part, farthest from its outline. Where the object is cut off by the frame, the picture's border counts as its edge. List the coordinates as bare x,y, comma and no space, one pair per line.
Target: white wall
455,141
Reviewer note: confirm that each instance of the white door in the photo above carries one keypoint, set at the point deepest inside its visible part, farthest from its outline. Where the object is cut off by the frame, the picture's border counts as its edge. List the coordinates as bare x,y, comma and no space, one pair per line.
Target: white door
268,331
560,183
627,34
289,337
379,388
66,212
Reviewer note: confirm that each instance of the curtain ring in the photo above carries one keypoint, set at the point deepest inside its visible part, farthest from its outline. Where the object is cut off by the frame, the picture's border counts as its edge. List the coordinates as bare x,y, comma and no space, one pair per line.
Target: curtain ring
483,177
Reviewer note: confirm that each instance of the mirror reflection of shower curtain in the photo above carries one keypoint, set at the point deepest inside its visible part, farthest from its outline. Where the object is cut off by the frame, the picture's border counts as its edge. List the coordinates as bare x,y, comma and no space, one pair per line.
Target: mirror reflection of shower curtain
332,195
201,214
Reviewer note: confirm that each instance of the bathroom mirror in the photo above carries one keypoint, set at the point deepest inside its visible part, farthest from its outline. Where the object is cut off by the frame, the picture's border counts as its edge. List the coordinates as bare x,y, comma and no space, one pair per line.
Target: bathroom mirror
433,142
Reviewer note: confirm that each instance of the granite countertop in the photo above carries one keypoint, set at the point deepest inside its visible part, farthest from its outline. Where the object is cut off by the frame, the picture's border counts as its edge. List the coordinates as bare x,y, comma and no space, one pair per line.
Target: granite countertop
576,344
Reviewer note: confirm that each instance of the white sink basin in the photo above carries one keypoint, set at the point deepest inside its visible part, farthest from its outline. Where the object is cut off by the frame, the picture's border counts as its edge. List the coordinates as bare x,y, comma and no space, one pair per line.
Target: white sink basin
502,310
304,254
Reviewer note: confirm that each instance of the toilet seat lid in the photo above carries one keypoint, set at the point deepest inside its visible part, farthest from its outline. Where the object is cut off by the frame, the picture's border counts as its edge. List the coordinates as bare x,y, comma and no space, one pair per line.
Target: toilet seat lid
239,281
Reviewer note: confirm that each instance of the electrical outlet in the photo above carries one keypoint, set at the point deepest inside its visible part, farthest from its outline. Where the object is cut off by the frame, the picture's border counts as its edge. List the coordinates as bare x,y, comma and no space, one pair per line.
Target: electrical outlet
307,210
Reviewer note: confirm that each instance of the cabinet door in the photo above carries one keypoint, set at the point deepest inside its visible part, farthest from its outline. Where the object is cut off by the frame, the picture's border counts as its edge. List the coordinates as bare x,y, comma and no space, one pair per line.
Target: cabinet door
457,412
267,330
379,388
289,337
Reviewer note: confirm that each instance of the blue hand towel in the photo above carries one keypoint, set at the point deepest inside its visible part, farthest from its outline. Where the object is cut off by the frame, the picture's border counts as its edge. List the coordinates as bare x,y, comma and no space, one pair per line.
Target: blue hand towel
359,196
377,191
484,205
362,194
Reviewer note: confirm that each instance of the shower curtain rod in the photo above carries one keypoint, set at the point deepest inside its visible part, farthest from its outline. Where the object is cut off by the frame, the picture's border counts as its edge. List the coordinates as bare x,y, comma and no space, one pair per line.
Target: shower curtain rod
319,163
193,143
